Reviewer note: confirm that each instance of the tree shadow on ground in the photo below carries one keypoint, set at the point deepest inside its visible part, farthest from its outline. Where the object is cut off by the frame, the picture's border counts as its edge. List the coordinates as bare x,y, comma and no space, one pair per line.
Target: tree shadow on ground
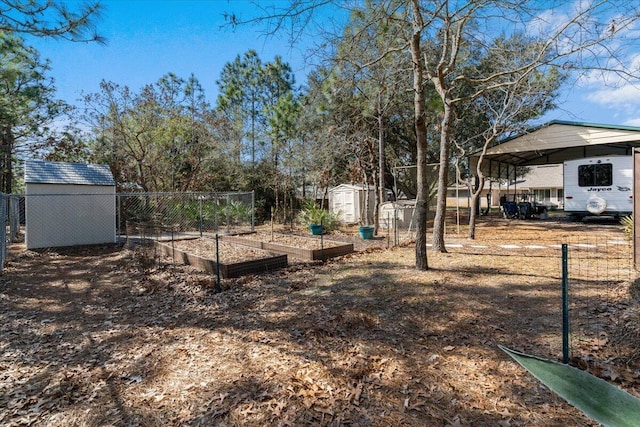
349,339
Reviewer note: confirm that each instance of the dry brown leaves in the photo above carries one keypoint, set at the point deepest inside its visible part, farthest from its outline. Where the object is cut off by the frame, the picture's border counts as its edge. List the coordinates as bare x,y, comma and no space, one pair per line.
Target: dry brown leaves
92,337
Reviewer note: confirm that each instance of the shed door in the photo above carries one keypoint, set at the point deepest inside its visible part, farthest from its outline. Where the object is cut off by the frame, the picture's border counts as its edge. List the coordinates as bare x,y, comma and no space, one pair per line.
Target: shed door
344,202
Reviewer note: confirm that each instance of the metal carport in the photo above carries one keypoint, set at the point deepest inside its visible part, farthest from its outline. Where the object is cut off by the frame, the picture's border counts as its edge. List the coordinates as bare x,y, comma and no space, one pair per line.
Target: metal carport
555,142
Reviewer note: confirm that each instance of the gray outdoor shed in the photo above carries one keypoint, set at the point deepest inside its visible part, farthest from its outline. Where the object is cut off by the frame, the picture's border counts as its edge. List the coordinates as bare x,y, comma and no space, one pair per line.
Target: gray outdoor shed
68,204
348,201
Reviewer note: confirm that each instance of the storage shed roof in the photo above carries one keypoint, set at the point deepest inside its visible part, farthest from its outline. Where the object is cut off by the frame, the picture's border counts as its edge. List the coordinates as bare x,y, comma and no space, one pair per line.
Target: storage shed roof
354,187
41,172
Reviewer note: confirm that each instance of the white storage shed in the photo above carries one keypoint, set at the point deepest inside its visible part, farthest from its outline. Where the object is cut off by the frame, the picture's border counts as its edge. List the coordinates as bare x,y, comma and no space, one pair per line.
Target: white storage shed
399,214
348,200
68,204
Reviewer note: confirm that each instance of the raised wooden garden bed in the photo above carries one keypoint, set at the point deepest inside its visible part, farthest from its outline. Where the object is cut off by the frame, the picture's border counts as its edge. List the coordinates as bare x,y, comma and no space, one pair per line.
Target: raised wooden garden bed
297,246
255,261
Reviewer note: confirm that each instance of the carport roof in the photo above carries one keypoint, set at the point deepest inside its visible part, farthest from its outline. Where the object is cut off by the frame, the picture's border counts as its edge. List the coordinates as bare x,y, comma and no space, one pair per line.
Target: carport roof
41,172
555,142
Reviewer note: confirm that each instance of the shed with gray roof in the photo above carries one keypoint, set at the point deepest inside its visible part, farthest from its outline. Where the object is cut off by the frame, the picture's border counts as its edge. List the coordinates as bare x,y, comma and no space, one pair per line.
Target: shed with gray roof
68,204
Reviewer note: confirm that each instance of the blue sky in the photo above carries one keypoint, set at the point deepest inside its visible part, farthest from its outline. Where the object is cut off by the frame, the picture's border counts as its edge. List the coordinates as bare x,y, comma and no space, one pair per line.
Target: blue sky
148,39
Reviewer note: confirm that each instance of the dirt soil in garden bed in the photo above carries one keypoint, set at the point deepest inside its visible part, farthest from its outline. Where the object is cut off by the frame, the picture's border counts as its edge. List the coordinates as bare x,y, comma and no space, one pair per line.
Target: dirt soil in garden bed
229,253
291,238
298,235
104,336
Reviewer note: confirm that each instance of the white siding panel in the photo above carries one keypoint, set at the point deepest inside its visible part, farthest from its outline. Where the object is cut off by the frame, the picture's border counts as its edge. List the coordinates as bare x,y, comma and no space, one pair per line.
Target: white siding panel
69,215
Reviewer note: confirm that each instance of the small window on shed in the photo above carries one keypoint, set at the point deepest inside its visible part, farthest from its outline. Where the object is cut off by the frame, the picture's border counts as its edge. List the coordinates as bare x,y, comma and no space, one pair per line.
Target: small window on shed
598,175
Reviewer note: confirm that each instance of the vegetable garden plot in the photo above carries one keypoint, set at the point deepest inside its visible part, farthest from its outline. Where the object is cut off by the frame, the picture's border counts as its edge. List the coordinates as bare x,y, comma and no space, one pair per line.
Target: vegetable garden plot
234,260
305,248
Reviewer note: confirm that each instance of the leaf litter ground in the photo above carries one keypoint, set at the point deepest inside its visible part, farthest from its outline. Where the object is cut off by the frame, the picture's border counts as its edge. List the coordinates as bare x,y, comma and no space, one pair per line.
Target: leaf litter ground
102,336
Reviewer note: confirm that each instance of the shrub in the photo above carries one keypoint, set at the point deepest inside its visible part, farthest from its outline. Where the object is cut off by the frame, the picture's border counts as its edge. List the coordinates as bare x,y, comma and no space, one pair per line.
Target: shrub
238,211
313,214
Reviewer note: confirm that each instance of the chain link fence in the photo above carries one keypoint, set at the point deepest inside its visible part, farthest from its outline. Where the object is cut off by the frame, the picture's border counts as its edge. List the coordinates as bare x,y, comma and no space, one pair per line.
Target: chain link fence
77,219
4,214
10,214
201,213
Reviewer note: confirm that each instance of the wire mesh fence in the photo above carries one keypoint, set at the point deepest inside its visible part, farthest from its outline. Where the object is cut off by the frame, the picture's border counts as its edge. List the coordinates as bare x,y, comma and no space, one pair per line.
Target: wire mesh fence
4,214
15,218
600,276
10,213
187,212
58,220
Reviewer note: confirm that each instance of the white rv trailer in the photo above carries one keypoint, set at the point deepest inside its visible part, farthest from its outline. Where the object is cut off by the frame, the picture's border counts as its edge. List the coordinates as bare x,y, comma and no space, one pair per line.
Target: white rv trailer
598,186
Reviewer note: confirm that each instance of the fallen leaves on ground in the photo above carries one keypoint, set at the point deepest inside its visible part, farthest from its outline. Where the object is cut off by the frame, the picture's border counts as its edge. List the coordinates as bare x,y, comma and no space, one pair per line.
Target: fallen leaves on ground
92,337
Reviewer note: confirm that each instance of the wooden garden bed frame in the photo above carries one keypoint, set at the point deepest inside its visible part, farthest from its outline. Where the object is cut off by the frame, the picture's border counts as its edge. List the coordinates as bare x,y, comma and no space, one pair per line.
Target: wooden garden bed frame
227,271
338,249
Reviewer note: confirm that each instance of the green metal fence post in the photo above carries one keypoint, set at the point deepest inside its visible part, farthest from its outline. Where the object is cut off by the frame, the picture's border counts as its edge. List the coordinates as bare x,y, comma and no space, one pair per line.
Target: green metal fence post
253,210
565,303
218,287
322,240
228,216
200,197
215,213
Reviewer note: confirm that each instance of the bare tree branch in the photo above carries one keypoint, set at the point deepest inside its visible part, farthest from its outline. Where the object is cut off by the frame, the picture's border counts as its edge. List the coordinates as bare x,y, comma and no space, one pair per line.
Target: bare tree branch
50,18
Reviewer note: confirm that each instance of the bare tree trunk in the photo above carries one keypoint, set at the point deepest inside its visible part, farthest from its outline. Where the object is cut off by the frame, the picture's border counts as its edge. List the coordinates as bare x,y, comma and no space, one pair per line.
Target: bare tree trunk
443,178
422,195
472,219
381,181
376,202
480,179
473,212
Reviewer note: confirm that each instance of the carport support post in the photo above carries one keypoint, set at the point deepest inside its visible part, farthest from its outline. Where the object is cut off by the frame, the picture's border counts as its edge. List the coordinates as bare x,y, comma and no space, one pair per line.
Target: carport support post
565,303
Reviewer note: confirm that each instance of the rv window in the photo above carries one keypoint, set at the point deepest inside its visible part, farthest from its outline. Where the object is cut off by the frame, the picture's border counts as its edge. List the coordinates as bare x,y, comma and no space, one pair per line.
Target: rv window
599,175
